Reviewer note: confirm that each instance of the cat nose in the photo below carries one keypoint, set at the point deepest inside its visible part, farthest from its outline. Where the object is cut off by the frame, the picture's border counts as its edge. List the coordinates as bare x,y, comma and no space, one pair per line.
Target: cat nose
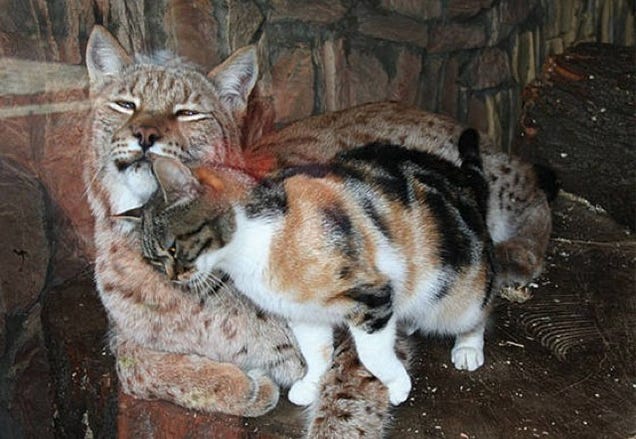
147,135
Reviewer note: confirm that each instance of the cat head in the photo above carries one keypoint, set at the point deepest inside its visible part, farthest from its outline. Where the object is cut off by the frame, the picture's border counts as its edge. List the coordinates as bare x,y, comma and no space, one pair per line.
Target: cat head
159,105
188,216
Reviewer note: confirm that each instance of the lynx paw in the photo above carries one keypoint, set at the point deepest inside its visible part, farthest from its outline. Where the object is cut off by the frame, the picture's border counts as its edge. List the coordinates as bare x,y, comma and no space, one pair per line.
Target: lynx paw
303,392
399,389
467,358
264,394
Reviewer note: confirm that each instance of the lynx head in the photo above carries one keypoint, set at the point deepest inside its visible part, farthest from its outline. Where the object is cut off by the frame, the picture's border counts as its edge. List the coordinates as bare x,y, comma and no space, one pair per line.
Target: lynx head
157,105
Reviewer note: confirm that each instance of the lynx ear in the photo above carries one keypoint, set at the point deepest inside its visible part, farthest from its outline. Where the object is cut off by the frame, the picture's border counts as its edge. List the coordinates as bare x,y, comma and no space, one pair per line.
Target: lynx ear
175,180
133,215
104,55
235,78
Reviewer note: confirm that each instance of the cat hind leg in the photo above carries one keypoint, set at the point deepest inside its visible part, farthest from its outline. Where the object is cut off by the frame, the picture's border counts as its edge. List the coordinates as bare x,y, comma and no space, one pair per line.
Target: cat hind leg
468,351
376,351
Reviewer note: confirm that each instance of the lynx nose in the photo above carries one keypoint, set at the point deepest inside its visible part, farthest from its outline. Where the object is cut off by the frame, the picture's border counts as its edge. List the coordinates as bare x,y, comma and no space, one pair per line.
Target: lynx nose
146,135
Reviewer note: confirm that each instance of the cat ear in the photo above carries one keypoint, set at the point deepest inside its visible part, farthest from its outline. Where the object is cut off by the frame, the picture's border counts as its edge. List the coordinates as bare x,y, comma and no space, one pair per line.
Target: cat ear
133,215
175,179
104,55
235,78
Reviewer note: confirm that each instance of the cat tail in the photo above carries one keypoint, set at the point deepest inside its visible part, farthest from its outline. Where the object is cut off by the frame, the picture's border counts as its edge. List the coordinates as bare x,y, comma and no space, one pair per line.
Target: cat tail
353,403
547,180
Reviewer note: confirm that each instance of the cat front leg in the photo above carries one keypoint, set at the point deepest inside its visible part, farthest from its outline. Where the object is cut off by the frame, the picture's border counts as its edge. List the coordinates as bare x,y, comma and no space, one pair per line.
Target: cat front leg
468,351
192,381
316,344
376,351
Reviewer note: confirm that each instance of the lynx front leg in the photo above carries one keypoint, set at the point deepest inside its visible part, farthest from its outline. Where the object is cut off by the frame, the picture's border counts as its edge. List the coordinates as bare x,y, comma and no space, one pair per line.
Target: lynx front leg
316,344
193,381
377,352
468,352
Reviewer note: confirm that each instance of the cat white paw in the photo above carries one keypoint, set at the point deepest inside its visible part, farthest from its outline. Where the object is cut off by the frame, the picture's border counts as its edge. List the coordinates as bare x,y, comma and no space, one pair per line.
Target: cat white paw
303,393
399,389
467,358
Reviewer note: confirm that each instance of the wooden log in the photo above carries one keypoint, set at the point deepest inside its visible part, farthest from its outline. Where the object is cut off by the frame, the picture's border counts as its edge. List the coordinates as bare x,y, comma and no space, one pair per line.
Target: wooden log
579,118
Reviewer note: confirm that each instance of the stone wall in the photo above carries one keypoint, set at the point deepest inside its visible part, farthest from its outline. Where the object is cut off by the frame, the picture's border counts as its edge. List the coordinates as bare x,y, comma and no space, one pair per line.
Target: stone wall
466,58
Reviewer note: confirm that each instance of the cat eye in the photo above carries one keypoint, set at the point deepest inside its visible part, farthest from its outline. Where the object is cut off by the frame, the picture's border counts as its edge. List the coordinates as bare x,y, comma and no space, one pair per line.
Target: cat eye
123,106
126,104
186,113
172,250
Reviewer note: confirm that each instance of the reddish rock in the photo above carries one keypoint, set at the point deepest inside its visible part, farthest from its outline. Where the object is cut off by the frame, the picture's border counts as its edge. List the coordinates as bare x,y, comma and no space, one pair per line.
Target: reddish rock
25,251
456,36
243,21
61,165
314,11
418,9
159,419
392,28
85,384
39,31
403,86
368,81
333,64
490,68
31,399
292,82
194,31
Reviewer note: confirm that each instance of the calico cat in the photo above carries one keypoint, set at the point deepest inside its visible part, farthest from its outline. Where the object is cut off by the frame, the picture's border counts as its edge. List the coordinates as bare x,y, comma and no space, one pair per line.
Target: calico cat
518,215
378,236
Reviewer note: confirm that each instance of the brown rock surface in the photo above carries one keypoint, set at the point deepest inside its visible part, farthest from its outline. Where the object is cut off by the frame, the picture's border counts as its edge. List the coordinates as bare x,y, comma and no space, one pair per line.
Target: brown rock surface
455,36
489,69
25,250
83,369
28,380
368,81
292,81
392,28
